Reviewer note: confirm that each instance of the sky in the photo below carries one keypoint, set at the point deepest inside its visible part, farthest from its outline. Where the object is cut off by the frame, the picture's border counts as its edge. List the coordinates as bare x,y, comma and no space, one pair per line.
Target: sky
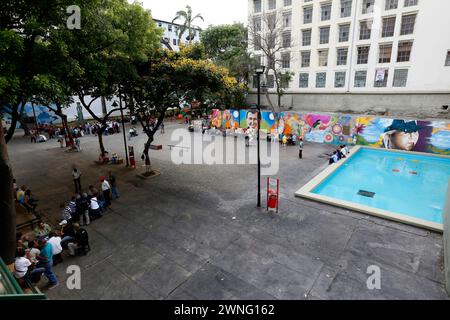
214,12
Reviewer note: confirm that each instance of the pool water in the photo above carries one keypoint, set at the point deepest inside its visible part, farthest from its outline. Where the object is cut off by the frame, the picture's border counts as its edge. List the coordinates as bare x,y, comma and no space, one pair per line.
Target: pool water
407,184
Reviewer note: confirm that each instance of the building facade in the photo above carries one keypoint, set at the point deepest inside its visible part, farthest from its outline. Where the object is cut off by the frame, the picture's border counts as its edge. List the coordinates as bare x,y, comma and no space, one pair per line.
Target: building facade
359,55
170,40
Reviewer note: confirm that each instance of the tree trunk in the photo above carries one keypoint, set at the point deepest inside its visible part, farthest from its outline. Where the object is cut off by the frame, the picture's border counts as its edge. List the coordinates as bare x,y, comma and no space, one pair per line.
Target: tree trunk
66,130
7,207
104,111
24,126
100,139
15,115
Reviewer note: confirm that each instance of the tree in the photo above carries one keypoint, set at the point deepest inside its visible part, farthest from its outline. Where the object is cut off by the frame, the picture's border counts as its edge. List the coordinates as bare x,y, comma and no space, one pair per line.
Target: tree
112,39
188,22
227,46
7,207
268,36
172,78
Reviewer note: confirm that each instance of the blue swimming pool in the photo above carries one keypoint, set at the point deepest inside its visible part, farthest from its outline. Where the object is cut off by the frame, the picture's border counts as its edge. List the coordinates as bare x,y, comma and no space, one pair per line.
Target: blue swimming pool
407,184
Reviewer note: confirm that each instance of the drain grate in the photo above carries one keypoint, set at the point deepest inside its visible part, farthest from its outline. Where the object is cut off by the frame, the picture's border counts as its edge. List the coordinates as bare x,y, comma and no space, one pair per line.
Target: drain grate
367,194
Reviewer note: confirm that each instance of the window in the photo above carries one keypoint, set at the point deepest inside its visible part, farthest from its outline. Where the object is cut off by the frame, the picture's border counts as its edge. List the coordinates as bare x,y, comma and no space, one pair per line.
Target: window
287,18
388,27
169,27
342,56
174,41
287,3
360,79
257,42
323,58
286,60
321,79
304,80
306,37
400,77
257,24
404,51
363,55
326,12
159,24
255,82
307,15
286,40
385,53
339,79
408,22
271,21
270,81
271,39
368,6
257,6
410,3
365,30
381,77
306,59
391,4
346,8
344,31
447,60
272,4
324,35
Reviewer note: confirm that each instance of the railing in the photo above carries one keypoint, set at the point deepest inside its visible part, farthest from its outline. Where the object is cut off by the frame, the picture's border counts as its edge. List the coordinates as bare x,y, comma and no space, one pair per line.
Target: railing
446,239
11,290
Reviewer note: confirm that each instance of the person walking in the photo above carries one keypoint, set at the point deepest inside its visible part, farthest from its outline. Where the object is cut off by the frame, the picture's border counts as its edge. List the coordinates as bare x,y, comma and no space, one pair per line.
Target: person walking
78,144
76,174
300,149
162,128
106,189
112,181
46,261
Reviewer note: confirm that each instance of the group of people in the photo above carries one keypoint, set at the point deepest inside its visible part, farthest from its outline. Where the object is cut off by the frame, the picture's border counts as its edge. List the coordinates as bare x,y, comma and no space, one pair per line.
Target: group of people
340,153
23,196
37,256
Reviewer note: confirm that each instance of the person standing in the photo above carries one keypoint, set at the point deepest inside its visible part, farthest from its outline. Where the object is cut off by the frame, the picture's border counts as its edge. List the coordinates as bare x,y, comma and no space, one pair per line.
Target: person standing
300,149
76,174
162,127
78,144
84,208
46,261
106,189
112,182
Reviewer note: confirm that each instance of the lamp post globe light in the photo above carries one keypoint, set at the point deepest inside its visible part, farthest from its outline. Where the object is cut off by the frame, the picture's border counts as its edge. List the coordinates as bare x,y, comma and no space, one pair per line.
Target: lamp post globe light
259,71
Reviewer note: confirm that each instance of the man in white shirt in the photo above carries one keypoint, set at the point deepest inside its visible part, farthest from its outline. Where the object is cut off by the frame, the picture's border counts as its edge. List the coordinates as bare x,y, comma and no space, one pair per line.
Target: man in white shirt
94,209
21,265
76,175
55,241
106,189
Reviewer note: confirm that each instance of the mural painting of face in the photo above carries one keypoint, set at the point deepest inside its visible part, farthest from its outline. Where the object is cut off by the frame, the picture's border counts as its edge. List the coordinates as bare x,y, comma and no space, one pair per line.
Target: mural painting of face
252,120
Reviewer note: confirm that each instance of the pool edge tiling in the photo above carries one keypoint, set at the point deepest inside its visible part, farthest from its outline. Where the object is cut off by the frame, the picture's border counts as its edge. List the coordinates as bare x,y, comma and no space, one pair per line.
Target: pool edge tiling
306,192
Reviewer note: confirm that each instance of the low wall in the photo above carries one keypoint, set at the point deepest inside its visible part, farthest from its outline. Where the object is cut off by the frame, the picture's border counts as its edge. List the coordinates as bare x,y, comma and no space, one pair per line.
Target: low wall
431,136
446,239
419,105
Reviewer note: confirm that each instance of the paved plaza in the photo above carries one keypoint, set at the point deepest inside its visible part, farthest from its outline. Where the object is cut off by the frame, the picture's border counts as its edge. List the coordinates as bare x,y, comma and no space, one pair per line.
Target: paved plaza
194,232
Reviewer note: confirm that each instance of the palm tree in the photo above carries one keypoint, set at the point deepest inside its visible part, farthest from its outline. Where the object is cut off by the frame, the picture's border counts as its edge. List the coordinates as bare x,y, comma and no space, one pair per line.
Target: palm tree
188,23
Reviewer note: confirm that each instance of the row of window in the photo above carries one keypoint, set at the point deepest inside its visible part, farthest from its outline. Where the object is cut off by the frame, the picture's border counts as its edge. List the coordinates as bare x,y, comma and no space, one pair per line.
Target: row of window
360,80
365,30
345,9
170,28
384,54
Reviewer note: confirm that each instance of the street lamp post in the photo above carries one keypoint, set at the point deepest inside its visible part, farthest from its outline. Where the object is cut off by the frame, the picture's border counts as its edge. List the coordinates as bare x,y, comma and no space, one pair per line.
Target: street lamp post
115,105
259,71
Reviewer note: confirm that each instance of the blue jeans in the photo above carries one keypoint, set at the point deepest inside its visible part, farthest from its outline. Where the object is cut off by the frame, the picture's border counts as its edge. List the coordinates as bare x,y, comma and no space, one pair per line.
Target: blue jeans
48,266
115,194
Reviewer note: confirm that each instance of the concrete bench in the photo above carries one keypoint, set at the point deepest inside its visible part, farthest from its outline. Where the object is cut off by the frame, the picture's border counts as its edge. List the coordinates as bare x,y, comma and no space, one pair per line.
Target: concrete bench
174,146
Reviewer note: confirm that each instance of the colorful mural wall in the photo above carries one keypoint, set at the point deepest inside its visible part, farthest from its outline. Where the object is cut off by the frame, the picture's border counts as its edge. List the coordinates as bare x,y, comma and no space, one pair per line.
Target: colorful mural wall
409,135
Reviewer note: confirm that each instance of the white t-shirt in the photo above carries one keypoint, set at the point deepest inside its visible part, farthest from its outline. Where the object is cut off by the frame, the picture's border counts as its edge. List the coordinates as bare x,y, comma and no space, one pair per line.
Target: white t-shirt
34,252
105,186
94,203
76,174
21,267
56,245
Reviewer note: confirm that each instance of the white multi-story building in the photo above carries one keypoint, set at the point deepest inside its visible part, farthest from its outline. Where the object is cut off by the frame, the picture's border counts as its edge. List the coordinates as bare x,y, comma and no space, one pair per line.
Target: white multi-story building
170,37
391,54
